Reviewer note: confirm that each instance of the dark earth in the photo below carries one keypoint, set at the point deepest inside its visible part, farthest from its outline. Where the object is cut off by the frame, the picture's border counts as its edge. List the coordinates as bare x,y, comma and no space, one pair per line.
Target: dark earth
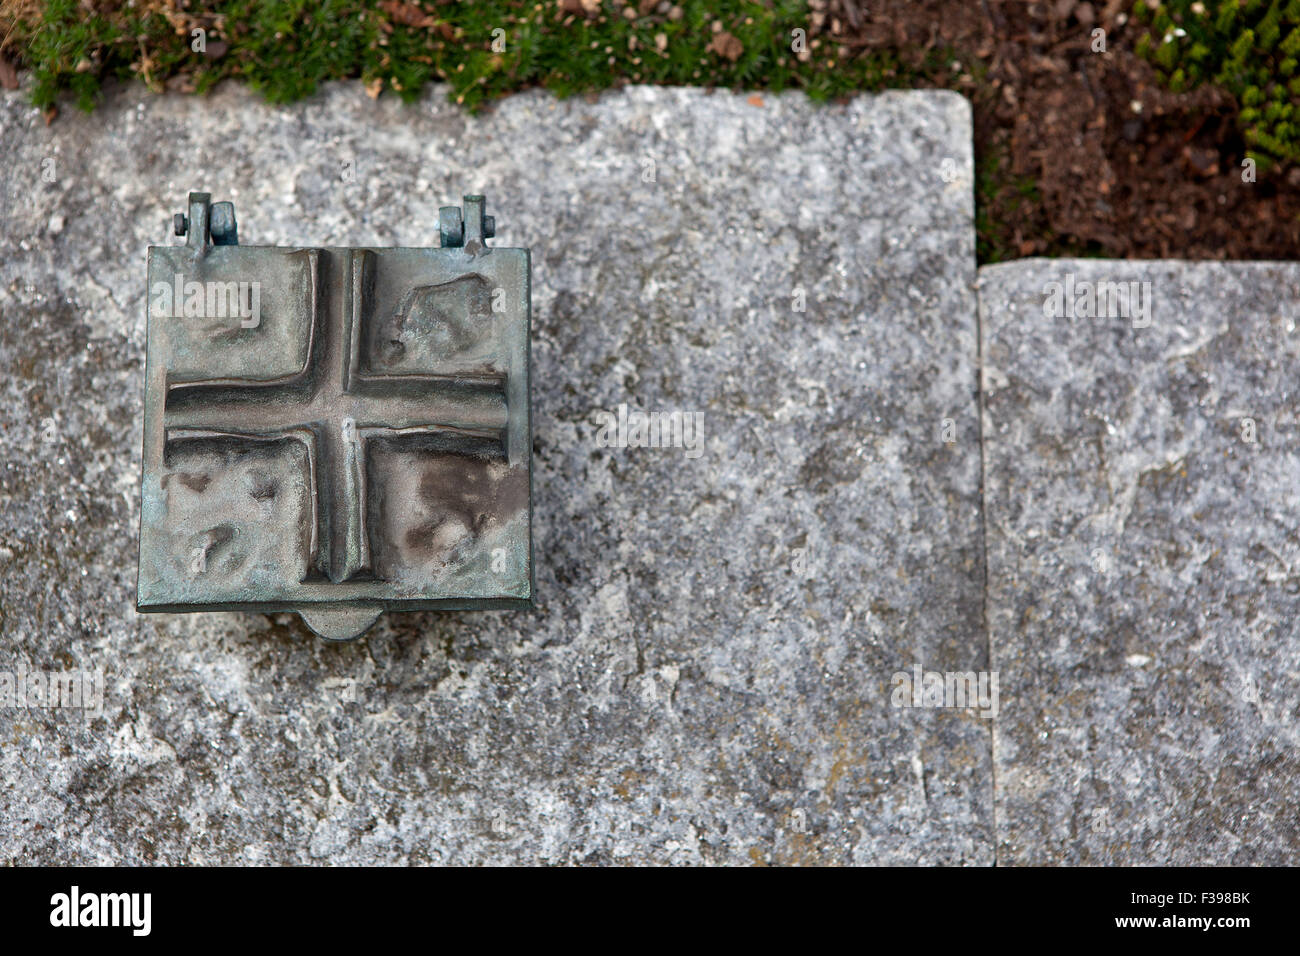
1069,165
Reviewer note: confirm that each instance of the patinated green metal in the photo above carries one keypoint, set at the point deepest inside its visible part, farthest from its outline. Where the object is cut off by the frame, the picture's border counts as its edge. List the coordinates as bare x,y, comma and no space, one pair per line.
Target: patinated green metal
336,431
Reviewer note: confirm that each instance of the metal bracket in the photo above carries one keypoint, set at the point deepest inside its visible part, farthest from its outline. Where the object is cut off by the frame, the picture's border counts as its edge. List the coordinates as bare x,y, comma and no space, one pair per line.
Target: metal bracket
208,223
469,229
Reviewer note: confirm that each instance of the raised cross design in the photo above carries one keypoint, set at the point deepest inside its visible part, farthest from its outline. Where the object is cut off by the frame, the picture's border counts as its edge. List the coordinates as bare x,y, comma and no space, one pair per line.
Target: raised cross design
334,407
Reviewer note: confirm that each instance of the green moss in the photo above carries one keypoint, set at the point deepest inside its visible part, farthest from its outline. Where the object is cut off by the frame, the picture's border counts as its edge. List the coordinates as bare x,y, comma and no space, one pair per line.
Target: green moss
1248,47
286,48
997,192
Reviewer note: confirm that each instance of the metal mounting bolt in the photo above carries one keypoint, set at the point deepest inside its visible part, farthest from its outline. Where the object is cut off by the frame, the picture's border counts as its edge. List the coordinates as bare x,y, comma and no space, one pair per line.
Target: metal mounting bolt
451,227
180,224
458,229
221,224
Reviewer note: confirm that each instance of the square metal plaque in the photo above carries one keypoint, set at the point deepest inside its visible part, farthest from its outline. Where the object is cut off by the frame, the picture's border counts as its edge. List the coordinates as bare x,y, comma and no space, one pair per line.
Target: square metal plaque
336,431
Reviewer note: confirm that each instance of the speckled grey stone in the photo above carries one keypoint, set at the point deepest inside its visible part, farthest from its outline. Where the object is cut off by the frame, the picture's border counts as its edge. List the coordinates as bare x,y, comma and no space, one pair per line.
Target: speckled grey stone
688,690
1144,565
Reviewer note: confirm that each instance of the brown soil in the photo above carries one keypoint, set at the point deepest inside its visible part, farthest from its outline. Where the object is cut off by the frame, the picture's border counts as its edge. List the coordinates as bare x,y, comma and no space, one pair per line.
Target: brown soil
1082,152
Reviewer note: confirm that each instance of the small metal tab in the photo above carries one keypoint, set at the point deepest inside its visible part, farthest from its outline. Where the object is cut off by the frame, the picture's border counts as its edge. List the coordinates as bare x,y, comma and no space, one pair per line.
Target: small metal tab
222,226
451,227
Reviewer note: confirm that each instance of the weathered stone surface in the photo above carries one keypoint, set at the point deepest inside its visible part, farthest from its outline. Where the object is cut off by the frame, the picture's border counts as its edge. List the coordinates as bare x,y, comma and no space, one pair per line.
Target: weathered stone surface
1144,591
687,690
